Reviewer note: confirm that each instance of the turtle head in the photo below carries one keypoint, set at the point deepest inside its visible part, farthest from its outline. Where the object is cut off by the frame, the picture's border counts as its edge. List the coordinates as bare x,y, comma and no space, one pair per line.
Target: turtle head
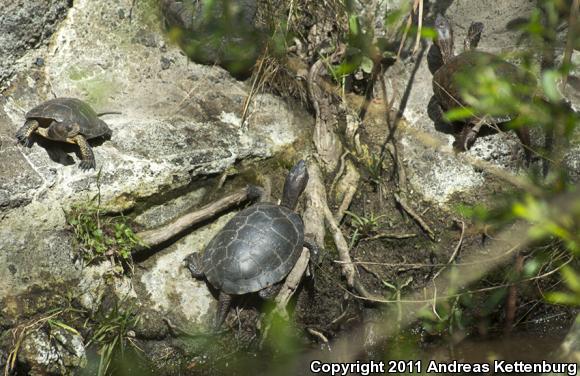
444,37
294,185
61,131
473,36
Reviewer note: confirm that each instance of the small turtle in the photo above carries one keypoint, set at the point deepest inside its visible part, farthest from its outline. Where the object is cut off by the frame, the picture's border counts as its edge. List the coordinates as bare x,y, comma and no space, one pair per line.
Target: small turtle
67,120
448,90
257,248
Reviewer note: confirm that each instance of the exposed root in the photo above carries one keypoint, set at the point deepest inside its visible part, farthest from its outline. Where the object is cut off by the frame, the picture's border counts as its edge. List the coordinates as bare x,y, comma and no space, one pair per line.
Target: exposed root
291,284
415,216
318,335
350,182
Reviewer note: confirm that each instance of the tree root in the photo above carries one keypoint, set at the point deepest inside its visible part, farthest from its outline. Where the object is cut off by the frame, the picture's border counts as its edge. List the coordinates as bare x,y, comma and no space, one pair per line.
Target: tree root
415,216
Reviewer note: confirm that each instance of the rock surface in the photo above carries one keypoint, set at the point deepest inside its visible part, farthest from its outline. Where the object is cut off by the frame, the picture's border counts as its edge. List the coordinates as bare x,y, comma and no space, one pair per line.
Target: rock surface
59,352
26,24
178,122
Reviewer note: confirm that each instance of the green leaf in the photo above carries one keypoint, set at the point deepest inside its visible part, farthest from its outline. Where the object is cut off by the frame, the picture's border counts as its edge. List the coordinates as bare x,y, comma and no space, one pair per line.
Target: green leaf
63,326
564,298
353,24
366,64
550,80
428,33
459,113
571,278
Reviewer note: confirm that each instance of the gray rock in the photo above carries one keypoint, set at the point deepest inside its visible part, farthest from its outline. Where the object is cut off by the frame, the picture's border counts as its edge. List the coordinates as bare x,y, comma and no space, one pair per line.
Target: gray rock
56,353
25,24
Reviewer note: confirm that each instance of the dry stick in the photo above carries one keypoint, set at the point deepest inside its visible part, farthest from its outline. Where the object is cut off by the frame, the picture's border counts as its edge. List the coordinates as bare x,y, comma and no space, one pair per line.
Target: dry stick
152,238
455,251
415,216
407,28
253,91
389,235
419,28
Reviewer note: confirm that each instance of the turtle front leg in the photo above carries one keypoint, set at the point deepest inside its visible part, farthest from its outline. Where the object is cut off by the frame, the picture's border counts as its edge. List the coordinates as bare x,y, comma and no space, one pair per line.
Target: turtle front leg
223,307
469,134
523,134
195,265
87,156
25,132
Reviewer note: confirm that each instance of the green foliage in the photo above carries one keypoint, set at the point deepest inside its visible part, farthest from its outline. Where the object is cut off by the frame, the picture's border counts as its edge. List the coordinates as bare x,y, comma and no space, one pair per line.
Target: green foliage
364,226
548,220
444,317
572,280
101,236
112,337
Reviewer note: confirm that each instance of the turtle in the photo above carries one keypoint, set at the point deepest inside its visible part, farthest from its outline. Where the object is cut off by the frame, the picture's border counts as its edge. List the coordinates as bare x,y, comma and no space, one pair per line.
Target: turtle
67,120
447,88
257,248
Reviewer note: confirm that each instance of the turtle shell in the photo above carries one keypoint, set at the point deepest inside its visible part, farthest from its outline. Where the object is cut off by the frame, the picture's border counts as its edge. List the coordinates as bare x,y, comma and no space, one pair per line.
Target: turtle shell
255,249
71,110
448,89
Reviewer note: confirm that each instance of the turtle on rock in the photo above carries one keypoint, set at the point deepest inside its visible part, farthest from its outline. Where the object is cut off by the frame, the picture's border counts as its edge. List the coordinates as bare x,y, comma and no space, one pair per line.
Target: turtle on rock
448,90
67,120
257,248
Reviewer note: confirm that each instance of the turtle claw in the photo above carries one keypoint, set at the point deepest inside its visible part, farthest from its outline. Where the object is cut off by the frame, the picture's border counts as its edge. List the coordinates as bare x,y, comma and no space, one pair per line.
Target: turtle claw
469,140
87,165
21,137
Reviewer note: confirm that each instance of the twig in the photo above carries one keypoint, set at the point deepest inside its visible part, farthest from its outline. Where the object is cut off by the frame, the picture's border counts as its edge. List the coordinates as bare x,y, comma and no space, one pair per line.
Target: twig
455,251
407,28
390,235
415,216
253,90
419,28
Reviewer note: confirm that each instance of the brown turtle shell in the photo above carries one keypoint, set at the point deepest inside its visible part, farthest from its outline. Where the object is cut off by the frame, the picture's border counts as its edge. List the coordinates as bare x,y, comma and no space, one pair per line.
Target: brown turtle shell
71,110
446,80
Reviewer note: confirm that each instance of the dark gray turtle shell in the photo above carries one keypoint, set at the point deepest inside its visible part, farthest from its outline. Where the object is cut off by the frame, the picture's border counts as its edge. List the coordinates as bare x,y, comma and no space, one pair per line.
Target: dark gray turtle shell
255,249
71,110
